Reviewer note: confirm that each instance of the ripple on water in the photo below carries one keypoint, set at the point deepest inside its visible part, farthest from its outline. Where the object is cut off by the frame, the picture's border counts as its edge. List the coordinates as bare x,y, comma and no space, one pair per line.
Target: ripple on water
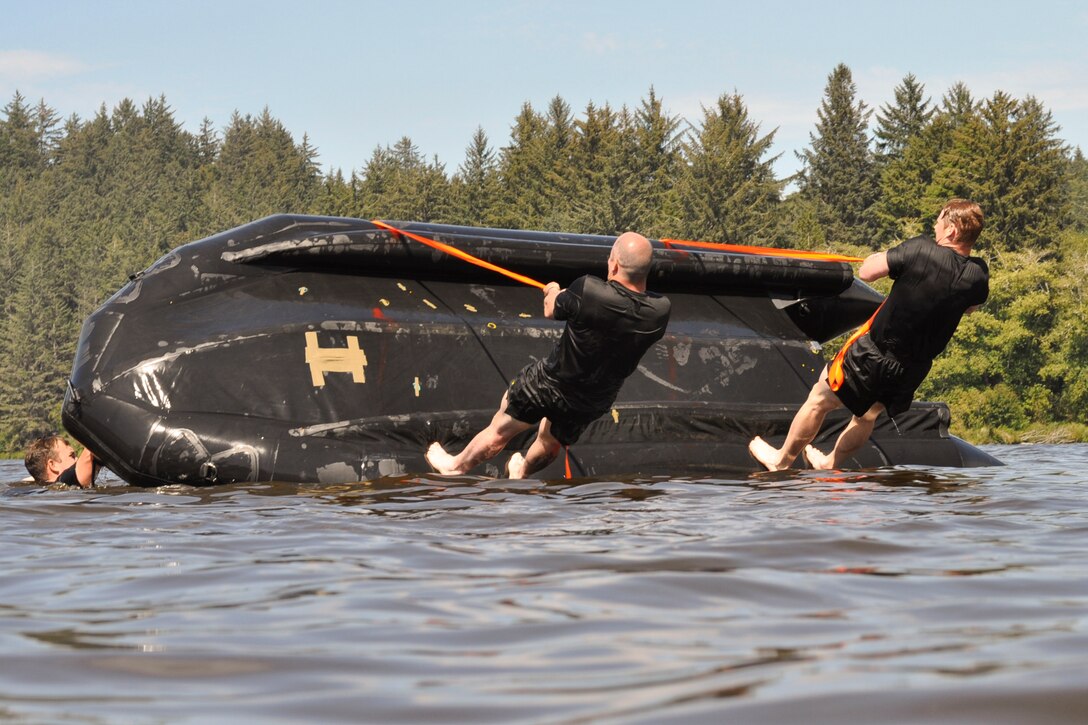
906,594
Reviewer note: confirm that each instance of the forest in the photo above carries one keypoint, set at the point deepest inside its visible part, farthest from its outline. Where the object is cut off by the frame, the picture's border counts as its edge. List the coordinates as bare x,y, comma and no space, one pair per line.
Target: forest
84,203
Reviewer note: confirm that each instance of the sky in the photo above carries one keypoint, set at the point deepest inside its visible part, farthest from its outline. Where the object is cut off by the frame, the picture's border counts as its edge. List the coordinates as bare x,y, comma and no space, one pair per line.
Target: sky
355,75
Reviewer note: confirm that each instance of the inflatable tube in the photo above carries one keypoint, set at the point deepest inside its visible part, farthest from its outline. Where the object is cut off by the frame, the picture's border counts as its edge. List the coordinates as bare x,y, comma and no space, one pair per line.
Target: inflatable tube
317,349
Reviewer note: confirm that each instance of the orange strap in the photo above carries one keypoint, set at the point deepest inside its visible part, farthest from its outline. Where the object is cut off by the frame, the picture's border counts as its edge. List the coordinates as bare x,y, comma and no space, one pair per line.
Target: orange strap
834,370
567,449
763,251
453,251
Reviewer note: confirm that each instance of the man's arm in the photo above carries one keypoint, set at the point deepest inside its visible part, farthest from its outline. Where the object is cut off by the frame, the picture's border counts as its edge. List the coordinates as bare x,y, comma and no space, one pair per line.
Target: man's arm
551,291
86,468
874,267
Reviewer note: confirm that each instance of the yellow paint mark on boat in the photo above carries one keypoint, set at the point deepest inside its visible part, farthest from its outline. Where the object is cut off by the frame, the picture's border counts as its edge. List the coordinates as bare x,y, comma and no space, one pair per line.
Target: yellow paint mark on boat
350,359
469,307
402,287
492,325
416,387
384,302
615,416
524,314
430,304
303,290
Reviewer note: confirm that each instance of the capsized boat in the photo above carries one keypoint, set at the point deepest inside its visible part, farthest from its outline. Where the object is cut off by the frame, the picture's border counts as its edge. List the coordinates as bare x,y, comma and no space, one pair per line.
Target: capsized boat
320,349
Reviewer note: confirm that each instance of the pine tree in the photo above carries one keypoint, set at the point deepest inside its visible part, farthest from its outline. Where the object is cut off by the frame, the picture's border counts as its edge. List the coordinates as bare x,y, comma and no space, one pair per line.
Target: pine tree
261,171
656,165
475,186
21,153
909,201
337,196
38,336
523,172
839,173
560,177
1007,157
592,156
728,191
898,124
399,184
1077,182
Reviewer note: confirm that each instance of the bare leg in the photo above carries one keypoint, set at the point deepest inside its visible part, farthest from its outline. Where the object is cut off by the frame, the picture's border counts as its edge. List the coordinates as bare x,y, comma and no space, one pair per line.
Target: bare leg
485,446
805,426
852,438
542,452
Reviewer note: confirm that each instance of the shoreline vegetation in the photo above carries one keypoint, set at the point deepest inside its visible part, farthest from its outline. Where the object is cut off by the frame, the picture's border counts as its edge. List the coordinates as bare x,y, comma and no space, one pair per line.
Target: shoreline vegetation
84,203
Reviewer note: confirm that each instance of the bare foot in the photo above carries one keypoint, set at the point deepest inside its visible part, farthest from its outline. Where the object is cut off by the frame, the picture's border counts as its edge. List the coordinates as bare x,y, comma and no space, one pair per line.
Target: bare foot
816,459
441,461
515,468
767,455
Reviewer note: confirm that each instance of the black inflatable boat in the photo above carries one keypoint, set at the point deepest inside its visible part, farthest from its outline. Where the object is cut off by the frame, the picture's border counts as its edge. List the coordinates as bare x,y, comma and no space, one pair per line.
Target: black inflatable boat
318,349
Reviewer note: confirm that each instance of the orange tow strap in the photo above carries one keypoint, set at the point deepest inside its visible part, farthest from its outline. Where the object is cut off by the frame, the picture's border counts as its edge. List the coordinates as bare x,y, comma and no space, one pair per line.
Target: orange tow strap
454,251
834,370
567,449
762,251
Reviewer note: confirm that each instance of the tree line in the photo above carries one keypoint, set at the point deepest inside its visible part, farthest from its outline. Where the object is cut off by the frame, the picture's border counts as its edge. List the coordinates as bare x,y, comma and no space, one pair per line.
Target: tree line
84,203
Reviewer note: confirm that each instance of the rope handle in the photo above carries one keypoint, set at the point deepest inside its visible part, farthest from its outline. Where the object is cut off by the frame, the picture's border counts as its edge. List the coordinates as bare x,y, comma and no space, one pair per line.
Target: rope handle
455,252
762,251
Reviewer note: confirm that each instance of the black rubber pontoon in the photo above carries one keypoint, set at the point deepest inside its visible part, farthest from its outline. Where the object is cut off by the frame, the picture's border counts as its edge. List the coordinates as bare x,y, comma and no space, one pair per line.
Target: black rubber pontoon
316,349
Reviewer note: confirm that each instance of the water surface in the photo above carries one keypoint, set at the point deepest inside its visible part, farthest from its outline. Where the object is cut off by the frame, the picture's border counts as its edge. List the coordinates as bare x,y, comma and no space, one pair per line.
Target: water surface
894,595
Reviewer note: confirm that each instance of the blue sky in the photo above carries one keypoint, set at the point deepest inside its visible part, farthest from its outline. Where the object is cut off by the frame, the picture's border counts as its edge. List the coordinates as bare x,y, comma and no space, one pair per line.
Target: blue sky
355,75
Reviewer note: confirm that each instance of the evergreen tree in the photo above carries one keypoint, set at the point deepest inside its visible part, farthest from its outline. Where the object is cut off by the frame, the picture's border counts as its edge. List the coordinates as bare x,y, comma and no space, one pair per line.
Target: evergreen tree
337,196
261,171
475,186
22,151
37,333
560,180
958,105
655,166
1007,157
597,180
399,184
898,124
1077,182
523,172
839,173
728,191
909,201
376,182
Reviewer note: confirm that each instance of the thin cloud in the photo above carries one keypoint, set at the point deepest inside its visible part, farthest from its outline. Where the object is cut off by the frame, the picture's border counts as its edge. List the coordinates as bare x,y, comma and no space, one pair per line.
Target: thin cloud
22,65
599,44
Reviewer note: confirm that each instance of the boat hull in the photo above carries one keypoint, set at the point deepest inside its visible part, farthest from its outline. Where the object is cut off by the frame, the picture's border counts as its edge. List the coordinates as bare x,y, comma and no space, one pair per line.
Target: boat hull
315,349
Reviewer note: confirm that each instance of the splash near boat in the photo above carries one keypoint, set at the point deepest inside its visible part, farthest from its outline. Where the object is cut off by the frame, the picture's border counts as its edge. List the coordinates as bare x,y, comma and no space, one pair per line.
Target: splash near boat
320,349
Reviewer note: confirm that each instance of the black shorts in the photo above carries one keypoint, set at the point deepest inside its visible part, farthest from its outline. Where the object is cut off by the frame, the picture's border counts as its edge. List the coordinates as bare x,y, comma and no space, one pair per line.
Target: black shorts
870,376
533,396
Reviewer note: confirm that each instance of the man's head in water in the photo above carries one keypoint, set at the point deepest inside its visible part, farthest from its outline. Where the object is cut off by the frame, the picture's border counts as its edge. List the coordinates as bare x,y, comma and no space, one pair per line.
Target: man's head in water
48,457
630,259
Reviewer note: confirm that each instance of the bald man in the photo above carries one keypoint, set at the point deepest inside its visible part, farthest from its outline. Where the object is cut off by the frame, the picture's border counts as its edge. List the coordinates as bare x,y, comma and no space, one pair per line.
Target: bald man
610,326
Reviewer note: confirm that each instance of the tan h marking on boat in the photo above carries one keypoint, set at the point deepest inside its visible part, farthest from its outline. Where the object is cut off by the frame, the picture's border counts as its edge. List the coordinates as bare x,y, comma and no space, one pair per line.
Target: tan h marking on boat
350,359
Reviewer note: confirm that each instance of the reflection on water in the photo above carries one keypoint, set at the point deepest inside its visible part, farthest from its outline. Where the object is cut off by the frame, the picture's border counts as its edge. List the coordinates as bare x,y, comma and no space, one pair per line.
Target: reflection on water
907,594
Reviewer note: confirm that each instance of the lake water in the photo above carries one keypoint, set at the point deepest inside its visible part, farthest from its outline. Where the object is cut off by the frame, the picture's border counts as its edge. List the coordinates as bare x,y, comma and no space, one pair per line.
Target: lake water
893,595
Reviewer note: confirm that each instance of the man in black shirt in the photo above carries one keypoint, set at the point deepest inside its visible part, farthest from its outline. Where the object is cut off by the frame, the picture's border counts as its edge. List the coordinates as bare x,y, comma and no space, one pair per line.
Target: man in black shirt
52,460
936,283
610,325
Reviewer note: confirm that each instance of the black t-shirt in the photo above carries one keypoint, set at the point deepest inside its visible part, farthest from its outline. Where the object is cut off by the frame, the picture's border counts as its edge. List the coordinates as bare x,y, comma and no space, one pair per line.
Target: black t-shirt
609,328
68,476
933,287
